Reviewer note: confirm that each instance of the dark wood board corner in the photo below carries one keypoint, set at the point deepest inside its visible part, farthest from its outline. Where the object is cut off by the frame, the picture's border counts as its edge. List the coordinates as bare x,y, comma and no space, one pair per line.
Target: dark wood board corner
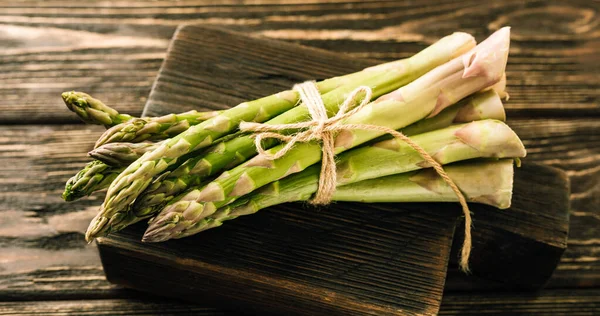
518,248
344,259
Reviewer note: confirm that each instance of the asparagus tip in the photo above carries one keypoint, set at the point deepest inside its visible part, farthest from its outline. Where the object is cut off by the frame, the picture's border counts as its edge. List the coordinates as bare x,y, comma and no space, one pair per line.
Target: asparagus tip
173,220
489,58
482,105
97,226
121,153
66,96
161,228
68,193
120,220
492,138
91,110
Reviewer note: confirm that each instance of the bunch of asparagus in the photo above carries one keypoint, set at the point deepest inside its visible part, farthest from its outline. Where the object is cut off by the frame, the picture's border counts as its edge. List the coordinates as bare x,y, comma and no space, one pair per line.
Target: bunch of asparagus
192,171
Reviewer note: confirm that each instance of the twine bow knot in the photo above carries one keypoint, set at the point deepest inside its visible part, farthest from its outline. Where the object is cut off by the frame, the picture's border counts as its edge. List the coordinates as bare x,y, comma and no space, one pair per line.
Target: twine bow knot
323,128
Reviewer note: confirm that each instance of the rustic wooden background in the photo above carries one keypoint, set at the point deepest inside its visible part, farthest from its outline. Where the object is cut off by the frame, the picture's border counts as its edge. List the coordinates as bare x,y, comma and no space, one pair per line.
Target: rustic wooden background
113,50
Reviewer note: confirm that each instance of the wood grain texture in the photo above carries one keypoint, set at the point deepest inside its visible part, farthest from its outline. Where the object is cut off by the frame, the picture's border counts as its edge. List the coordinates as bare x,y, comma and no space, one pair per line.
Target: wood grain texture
113,49
109,307
44,254
345,260
584,302
573,146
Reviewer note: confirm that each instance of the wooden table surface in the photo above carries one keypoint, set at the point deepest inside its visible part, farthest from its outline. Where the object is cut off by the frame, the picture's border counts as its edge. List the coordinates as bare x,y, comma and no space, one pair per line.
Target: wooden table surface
113,50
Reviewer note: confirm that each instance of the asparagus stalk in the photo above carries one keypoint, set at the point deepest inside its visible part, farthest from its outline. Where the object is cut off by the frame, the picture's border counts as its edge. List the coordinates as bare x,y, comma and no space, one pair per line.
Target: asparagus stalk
121,154
478,139
480,68
481,181
154,128
95,176
483,105
124,127
486,182
93,111
381,79
487,138
479,106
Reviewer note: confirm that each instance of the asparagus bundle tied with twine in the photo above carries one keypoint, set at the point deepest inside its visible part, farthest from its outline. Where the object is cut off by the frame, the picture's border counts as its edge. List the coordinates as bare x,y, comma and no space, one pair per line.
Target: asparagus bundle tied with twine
380,79
231,153
422,129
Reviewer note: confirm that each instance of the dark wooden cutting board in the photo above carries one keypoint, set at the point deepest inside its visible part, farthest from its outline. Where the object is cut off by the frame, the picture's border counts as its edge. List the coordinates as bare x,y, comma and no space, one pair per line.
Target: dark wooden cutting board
348,258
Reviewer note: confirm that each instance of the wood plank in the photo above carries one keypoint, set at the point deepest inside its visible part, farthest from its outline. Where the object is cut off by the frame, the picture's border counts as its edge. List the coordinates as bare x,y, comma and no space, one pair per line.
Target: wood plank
44,254
116,69
109,307
580,302
114,51
547,302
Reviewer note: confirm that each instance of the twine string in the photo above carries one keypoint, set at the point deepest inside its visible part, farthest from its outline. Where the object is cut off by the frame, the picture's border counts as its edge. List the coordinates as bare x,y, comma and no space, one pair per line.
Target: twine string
323,128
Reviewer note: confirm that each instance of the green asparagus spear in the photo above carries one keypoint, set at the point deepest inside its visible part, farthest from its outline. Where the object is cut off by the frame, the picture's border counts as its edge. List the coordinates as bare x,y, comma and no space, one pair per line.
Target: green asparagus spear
487,138
482,181
478,139
95,176
484,105
93,111
381,79
121,154
478,69
477,107
154,128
